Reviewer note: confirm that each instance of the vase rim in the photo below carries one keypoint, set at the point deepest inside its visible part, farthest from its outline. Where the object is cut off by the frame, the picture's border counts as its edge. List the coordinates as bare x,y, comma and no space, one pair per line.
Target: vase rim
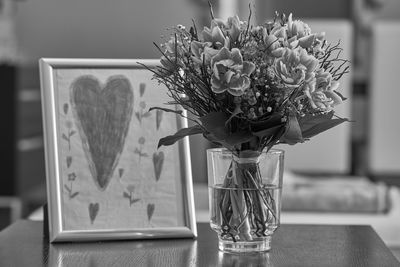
225,150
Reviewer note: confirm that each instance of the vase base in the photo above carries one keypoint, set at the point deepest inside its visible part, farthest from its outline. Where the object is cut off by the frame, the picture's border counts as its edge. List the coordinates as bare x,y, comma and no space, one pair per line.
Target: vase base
255,246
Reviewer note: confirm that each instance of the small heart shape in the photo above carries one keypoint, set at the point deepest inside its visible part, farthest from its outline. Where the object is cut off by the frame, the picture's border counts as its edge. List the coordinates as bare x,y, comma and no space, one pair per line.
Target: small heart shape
158,162
65,108
150,210
93,211
69,161
159,115
142,88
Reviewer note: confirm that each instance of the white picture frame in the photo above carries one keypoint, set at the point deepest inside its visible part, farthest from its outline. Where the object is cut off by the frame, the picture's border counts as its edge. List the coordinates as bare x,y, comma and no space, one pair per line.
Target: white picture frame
106,179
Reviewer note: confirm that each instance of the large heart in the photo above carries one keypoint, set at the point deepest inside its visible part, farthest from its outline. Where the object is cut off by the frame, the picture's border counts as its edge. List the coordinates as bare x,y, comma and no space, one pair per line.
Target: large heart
102,114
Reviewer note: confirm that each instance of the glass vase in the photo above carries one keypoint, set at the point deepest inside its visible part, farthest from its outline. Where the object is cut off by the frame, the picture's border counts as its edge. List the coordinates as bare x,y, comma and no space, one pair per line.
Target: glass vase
245,198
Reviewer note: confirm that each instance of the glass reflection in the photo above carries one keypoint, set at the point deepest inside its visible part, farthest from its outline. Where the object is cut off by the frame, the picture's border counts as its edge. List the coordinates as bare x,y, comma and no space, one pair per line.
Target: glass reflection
248,260
124,253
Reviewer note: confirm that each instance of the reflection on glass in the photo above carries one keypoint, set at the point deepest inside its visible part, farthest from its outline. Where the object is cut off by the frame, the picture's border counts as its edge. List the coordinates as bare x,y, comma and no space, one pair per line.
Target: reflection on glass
125,253
248,260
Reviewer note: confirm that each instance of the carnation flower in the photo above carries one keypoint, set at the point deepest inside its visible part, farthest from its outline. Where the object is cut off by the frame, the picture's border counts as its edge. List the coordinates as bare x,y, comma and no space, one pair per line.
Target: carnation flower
233,28
214,35
295,66
202,52
297,28
321,92
230,72
173,54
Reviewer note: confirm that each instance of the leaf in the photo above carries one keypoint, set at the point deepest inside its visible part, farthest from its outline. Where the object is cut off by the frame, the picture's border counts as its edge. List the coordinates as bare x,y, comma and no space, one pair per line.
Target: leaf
146,115
135,200
74,195
321,127
72,133
137,114
126,195
309,121
65,137
171,139
167,110
340,95
214,123
67,188
269,131
293,132
137,151
267,123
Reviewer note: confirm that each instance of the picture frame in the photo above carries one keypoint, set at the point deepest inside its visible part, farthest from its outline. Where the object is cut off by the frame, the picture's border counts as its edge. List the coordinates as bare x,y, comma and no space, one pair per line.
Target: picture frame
106,179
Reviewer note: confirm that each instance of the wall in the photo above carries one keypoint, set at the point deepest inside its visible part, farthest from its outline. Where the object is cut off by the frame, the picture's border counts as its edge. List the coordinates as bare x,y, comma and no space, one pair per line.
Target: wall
96,28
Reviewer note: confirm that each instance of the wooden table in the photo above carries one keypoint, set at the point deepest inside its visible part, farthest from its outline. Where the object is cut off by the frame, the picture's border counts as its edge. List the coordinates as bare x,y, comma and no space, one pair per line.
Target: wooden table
23,244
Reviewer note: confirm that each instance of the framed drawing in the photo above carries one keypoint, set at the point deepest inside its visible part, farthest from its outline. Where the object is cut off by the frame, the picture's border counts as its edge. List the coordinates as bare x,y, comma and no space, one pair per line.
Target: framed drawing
106,179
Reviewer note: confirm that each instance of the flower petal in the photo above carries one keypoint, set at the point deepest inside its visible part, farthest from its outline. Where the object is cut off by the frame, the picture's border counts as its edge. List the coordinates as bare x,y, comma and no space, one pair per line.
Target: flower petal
307,41
209,53
222,54
206,33
248,67
217,86
196,48
228,75
335,97
278,52
236,56
271,41
217,36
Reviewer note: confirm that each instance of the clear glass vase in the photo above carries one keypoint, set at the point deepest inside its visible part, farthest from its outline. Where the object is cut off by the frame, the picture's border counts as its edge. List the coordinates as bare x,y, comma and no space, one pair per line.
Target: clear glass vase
245,198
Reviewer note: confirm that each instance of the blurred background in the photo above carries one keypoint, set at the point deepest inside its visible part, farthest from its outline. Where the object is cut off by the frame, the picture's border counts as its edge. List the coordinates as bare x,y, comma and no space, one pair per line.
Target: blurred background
348,175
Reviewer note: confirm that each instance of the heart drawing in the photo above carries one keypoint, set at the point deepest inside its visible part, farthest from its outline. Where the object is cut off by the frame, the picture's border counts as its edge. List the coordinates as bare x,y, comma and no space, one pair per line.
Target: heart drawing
158,161
159,115
150,210
93,211
102,114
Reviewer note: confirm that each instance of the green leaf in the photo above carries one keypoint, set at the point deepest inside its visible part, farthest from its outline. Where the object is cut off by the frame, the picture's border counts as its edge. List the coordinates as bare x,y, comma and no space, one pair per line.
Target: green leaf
126,195
167,110
65,137
267,123
293,132
309,121
340,95
171,139
214,123
269,131
135,200
323,126
74,195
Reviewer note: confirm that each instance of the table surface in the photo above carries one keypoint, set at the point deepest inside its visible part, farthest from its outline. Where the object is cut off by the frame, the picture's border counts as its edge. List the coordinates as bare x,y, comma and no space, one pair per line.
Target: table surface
23,244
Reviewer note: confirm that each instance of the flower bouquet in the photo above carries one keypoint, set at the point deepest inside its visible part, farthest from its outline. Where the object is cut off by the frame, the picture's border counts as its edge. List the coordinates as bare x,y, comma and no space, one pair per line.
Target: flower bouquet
247,89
